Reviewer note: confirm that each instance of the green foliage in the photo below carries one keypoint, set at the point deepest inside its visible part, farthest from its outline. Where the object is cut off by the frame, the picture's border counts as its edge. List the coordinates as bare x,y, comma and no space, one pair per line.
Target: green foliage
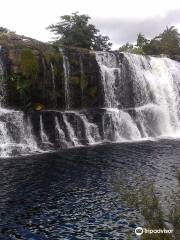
170,40
53,56
145,200
129,236
175,219
178,176
151,209
174,215
79,80
28,64
75,80
128,47
21,83
137,50
167,43
75,30
141,40
92,91
101,43
153,48
84,81
74,62
3,30
147,203
23,79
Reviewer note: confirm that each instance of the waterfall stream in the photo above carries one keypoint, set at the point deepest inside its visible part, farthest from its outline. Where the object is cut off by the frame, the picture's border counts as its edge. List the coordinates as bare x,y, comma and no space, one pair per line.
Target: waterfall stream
60,133
44,137
53,83
91,130
66,67
155,85
72,136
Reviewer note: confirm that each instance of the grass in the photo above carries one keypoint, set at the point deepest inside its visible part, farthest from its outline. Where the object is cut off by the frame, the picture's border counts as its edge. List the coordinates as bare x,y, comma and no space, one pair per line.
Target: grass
146,201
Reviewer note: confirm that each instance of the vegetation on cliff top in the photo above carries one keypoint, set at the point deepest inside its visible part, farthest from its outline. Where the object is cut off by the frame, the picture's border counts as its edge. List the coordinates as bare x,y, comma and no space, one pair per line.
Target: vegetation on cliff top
167,42
75,30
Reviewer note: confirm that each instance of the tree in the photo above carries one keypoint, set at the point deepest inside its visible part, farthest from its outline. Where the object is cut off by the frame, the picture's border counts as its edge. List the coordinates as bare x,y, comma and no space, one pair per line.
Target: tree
75,30
167,42
101,43
170,41
126,47
3,30
141,40
153,47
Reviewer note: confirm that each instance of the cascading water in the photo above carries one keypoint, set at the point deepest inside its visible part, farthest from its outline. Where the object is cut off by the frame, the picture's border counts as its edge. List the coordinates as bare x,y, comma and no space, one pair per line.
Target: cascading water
72,136
91,130
158,81
53,83
2,88
154,84
44,137
119,126
29,136
66,67
60,134
15,135
141,101
110,73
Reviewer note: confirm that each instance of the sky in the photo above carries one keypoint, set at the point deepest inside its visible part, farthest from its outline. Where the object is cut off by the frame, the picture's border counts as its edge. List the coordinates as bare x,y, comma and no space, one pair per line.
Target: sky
121,20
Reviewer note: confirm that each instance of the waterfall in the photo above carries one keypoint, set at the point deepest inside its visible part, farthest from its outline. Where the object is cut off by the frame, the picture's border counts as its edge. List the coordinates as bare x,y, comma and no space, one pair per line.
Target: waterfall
109,73
154,84
118,126
44,137
66,67
71,133
29,136
60,133
91,130
53,77
141,101
53,83
2,88
157,80
15,134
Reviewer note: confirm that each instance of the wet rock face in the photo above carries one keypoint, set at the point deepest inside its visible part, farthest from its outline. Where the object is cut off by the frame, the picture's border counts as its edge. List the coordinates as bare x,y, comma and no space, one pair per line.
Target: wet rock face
85,83
36,73
176,58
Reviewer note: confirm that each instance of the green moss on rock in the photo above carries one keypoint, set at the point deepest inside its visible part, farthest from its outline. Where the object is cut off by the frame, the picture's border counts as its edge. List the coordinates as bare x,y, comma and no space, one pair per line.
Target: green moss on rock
84,81
20,81
28,64
75,80
74,62
52,56
93,91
